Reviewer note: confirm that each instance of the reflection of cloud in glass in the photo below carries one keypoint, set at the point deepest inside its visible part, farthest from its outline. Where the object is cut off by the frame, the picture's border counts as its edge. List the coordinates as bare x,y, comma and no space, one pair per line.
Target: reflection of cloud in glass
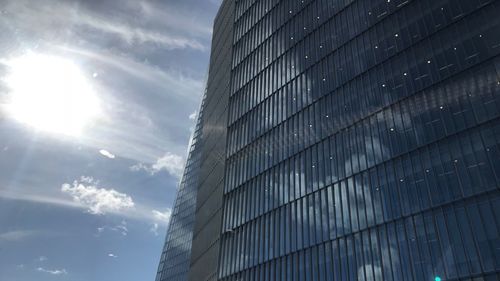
394,126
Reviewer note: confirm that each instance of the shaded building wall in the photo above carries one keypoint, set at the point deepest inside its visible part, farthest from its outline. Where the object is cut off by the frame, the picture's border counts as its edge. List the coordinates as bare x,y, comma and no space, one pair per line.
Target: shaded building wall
176,255
363,141
206,236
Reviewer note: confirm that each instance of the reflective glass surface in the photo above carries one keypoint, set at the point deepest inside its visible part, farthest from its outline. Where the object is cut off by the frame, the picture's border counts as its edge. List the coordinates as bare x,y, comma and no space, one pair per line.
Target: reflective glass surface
363,141
175,259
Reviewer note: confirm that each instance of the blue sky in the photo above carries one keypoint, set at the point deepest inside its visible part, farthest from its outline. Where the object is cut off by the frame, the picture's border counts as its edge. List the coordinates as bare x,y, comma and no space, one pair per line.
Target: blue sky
86,188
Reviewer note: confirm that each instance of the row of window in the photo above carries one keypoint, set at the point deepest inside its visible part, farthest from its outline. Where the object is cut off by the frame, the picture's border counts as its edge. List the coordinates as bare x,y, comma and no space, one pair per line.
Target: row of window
458,104
458,167
273,36
280,18
336,170
243,6
248,13
431,60
297,19
423,20
263,18
458,240
348,102
288,41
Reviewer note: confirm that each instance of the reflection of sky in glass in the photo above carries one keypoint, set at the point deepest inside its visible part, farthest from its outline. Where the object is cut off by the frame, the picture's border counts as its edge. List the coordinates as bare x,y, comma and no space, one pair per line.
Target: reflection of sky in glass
401,158
96,110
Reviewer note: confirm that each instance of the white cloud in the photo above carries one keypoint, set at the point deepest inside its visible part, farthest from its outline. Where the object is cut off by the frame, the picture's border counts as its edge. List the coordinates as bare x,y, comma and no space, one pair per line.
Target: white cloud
89,180
138,167
38,197
41,258
166,79
121,228
107,154
183,21
192,116
131,210
26,15
112,255
85,193
53,271
98,200
75,31
133,133
135,35
162,216
17,235
171,163
154,229
161,220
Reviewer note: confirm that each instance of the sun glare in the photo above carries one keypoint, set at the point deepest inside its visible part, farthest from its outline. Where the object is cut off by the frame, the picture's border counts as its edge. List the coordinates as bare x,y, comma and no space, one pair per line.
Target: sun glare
50,94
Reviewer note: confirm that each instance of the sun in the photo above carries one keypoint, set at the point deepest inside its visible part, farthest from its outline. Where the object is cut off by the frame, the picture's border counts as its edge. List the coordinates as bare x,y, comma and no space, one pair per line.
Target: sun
50,94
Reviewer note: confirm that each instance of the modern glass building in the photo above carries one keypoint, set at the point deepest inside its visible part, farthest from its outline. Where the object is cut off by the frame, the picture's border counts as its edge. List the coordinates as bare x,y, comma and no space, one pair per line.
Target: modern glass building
362,141
175,259
206,238
192,246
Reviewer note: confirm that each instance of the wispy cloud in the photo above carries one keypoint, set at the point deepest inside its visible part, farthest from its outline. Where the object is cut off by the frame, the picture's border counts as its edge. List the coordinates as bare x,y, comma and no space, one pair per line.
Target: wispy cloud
64,13
41,258
154,229
163,217
97,200
173,164
166,79
121,228
18,235
111,255
38,198
127,46
107,154
174,19
89,180
136,35
52,271
138,212
192,116
152,132
161,220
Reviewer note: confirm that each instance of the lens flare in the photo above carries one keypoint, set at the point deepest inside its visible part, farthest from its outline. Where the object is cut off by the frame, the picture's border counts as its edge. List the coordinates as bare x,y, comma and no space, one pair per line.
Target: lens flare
50,94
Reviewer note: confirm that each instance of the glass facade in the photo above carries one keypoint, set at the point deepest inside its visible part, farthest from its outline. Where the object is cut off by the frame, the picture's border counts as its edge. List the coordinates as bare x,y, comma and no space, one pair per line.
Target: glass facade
192,246
176,255
207,229
350,140
363,141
